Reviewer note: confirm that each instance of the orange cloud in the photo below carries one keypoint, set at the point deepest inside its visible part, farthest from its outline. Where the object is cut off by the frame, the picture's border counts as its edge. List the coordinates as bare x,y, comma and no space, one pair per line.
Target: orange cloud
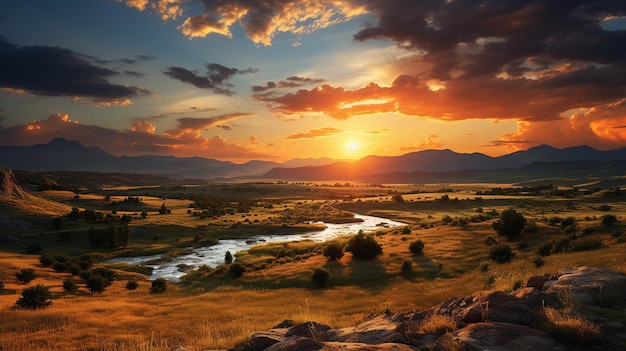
601,127
167,9
191,127
143,127
315,133
262,20
430,142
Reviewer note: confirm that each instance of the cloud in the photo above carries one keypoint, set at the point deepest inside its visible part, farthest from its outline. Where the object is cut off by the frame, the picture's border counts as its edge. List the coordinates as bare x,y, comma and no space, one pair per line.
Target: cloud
601,127
191,127
315,133
167,9
289,82
430,142
262,20
216,78
140,139
54,71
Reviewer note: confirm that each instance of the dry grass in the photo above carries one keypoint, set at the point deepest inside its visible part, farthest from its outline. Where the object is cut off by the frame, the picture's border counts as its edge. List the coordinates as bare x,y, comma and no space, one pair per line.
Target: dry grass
437,324
570,328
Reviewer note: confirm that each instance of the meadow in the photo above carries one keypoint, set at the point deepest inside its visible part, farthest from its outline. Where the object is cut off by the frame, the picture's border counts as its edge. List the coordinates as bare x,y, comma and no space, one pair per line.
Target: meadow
210,309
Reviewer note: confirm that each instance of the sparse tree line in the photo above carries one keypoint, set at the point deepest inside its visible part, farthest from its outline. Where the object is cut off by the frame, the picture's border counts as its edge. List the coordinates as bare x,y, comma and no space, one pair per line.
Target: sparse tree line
212,207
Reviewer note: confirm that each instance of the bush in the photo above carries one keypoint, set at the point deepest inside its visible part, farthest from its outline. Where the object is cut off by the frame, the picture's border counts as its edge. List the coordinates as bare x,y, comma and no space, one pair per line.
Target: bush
510,224
70,286
568,221
364,246
320,277
46,260
25,275
96,284
608,219
132,285
159,285
406,230
107,274
531,227
236,270
333,251
228,257
501,253
417,247
539,261
34,297
59,267
407,266
1,286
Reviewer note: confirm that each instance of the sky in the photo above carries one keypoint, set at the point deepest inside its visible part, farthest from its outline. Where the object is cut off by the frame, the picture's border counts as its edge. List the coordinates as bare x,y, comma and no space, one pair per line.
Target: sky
274,80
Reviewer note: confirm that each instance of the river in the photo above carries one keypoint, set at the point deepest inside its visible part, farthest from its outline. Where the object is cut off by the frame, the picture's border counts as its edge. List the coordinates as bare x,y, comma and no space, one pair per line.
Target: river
213,256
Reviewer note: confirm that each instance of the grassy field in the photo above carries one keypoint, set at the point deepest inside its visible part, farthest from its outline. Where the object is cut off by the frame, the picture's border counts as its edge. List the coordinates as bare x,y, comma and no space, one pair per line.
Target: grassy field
211,310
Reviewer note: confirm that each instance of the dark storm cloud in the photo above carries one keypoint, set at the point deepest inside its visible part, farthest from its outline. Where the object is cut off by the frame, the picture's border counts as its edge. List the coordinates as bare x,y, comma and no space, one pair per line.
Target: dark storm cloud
54,71
216,78
289,82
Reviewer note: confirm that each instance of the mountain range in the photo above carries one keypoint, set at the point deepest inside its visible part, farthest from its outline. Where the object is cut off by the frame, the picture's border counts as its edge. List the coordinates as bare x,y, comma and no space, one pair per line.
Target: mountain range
416,167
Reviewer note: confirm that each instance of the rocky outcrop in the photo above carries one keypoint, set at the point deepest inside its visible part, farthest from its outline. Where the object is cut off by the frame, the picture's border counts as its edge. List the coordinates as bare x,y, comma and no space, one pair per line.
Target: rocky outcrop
497,321
9,186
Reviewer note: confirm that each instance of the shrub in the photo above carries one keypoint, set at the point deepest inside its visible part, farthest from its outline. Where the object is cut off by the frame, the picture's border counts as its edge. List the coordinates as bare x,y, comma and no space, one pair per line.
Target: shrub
531,227
1,286
34,297
364,246
132,285
59,267
70,286
236,270
501,253
96,284
333,251
228,257
159,285
417,247
510,224
608,219
320,277
568,221
107,274
25,275
539,261
585,244
406,230
407,266
46,260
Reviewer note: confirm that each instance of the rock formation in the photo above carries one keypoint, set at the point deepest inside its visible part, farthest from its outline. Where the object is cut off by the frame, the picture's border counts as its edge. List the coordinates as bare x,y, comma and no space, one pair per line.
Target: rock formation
497,321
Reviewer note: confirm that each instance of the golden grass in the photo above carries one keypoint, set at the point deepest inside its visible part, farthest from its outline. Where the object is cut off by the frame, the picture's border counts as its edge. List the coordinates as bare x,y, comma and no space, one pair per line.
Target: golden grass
437,324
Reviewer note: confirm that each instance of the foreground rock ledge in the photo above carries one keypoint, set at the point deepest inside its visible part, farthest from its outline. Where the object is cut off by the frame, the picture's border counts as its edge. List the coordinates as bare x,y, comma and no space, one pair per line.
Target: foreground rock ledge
498,321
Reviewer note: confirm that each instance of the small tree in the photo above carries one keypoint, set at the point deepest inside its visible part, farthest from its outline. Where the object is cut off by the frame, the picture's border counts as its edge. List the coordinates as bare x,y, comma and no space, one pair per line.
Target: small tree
417,247
132,285
510,224
333,251
159,285
96,284
34,297
228,258
320,277
25,275
236,270
608,219
70,286
501,253
364,246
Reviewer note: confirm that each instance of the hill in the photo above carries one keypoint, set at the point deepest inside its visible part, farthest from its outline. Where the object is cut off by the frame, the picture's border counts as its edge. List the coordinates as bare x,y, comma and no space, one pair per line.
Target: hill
13,199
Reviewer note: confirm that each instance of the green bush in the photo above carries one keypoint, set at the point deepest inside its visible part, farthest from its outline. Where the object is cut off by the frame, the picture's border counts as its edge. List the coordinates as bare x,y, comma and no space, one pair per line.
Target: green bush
333,251
417,247
159,285
70,286
320,277
608,219
132,285
510,224
34,297
236,270
501,253
364,247
96,284
25,275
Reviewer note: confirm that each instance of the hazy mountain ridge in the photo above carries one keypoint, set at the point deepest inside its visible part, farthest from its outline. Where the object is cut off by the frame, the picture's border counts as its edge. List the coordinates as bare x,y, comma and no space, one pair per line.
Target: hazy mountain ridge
420,166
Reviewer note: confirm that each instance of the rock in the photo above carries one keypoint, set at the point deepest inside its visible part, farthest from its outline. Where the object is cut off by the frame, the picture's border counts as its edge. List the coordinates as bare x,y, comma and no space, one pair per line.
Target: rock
308,329
497,307
495,336
335,346
537,281
376,331
536,299
296,343
264,339
590,285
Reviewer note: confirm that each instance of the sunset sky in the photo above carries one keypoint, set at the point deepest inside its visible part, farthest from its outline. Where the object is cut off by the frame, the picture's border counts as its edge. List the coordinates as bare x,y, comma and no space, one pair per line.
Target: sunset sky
280,79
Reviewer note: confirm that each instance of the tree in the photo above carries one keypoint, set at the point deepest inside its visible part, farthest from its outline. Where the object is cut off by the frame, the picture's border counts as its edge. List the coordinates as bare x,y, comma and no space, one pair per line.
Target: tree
510,224
228,258
608,219
69,285
320,277
333,251
132,285
25,275
34,297
364,246
159,285
417,247
96,284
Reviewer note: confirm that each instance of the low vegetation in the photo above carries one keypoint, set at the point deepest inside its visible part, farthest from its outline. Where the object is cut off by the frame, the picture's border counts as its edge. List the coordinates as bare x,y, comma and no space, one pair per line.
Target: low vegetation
456,241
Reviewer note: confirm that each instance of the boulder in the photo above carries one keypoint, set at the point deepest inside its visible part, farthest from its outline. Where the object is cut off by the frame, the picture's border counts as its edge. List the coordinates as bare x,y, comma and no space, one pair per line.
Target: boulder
496,307
536,299
537,281
496,336
308,329
590,285
264,339
297,343
382,329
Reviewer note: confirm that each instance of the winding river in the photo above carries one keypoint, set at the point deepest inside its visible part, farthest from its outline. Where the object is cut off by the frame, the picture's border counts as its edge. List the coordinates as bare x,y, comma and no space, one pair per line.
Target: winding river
213,256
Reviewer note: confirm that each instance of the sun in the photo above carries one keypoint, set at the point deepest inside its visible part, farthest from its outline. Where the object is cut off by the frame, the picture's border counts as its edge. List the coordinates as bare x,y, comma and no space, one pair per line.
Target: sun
352,146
